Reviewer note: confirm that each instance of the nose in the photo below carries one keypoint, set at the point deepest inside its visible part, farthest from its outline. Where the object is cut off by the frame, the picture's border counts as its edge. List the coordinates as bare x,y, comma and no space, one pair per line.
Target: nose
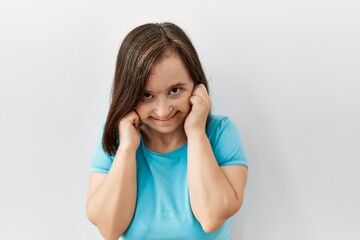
162,108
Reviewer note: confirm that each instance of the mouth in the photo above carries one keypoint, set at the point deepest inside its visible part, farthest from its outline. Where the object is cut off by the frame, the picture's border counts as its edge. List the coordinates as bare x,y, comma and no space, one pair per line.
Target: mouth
165,120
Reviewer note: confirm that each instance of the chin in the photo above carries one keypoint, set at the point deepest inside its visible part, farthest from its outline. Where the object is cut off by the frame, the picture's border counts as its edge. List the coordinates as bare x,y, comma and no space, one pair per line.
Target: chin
165,129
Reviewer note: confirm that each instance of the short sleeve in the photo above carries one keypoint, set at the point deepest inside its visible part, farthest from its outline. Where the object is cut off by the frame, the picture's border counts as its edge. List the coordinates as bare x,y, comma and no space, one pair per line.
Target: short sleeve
101,160
226,142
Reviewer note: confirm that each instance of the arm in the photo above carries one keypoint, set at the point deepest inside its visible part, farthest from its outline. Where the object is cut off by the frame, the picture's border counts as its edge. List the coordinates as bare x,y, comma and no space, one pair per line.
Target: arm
111,197
216,193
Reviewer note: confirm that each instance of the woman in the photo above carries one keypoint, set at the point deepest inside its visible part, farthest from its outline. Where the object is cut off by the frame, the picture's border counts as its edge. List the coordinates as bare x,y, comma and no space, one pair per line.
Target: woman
165,168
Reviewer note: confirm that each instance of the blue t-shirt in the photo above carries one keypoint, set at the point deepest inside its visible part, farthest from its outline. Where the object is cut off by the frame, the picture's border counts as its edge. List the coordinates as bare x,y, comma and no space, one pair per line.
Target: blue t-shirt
163,208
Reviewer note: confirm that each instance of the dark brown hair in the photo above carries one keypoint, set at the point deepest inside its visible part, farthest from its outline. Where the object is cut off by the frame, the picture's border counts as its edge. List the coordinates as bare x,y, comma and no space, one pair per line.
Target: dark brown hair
142,47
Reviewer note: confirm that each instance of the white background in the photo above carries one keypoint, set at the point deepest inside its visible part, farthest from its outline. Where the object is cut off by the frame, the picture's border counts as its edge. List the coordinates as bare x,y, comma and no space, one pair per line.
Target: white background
287,72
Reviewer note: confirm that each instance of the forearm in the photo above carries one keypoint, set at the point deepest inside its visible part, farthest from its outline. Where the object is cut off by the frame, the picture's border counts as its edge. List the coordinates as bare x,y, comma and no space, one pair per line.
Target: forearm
112,206
212,197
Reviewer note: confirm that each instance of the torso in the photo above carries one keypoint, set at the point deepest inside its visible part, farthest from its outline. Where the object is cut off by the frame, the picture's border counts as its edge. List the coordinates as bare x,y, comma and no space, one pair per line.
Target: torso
163,208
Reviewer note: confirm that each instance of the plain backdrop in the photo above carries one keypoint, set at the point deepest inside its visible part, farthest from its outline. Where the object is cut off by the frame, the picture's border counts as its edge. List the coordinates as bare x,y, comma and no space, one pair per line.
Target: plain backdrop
287,72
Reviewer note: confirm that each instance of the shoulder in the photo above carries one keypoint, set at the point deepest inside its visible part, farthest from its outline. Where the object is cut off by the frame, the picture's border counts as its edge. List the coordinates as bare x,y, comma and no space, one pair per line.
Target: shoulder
225,141
101,160
217,124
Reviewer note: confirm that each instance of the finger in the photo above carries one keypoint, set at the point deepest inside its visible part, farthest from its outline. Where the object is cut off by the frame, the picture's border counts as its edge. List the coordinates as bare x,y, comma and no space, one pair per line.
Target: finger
202,87
201,90
195,100
138,121
130,118
202,94
135,119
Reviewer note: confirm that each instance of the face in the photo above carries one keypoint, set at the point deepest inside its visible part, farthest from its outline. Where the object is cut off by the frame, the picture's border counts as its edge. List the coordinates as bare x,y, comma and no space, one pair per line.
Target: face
165,102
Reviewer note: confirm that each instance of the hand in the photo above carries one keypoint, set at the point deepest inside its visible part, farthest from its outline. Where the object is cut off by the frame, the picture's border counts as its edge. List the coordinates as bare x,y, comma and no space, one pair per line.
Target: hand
129,131
200,107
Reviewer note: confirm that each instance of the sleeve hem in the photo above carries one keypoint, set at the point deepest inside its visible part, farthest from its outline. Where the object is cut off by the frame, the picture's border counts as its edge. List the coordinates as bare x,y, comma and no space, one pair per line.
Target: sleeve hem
245,164
98,170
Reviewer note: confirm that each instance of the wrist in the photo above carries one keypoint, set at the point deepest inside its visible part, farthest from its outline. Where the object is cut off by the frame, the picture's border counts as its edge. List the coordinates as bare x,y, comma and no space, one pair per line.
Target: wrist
127,148
196,134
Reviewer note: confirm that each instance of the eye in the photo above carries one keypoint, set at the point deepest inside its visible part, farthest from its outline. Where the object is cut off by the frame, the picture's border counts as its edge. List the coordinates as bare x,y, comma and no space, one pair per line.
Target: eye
147,96
175,90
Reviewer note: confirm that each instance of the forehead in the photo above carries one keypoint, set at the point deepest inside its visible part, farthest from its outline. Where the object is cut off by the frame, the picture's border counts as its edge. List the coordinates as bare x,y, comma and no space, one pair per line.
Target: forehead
169,71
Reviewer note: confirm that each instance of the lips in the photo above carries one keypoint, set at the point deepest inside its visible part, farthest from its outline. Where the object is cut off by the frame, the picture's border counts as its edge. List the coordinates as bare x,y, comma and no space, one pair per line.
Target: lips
165,120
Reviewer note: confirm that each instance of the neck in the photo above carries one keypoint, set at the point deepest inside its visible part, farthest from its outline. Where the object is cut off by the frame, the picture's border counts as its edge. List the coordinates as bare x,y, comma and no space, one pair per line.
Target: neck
162,142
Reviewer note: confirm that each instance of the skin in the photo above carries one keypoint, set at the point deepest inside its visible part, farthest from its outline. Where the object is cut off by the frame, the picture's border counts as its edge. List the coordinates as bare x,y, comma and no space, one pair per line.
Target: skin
165,105
173,110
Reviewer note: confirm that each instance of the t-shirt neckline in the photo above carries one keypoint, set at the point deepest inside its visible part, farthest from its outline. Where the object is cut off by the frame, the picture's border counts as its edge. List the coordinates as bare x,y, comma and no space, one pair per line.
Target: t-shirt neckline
173,152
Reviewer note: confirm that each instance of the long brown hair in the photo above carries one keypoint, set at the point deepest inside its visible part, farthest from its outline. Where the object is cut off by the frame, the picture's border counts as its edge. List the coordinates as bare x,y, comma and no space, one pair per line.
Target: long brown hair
141,48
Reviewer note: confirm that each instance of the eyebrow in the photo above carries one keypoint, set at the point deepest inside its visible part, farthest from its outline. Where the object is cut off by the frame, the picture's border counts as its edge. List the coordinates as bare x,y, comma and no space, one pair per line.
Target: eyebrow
179,84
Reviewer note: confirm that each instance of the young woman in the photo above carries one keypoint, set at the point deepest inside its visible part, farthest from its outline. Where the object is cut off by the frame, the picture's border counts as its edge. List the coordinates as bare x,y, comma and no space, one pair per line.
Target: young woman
164,168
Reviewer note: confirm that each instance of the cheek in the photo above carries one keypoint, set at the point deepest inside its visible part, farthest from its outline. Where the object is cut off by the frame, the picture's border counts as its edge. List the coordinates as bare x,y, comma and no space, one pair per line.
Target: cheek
141,111
184,104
